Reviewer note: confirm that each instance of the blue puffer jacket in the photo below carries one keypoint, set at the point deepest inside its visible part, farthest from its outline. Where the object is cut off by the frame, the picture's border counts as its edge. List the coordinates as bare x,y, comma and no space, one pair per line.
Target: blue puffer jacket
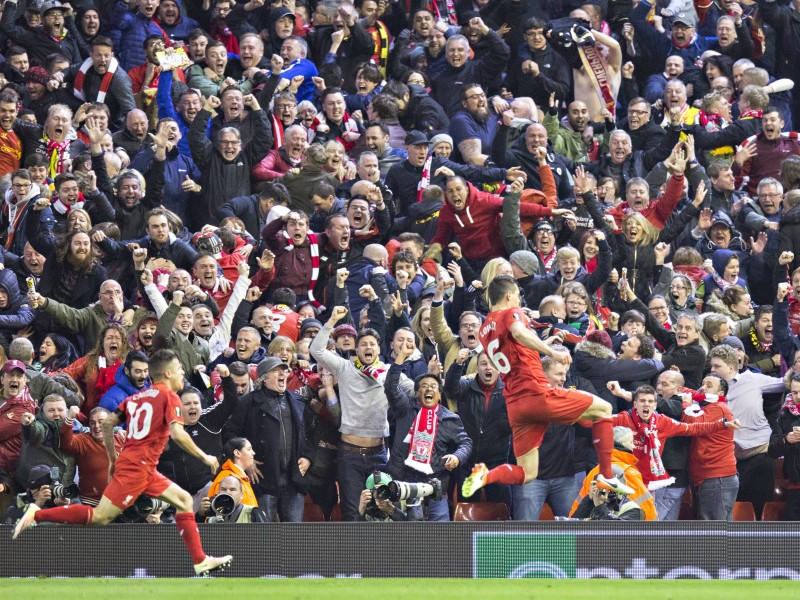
128,31
120,390
16,314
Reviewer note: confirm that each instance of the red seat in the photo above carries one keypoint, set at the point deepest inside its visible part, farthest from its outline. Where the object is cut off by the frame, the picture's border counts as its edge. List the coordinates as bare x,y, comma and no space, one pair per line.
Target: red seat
312,513
743,511
547,513
773,511
481,511
336,513
687,512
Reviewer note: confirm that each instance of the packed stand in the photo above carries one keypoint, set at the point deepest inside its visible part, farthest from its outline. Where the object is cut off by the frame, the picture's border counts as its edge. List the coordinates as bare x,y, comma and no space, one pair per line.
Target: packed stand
313,203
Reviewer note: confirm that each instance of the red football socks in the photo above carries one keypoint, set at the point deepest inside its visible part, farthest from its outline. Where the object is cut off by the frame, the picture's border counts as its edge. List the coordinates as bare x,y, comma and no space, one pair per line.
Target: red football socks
190,536
603,440
75,514
507,474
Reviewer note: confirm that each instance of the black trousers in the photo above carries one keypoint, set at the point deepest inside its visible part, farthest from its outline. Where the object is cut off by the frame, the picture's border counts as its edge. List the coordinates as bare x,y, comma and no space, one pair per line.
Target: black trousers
756,481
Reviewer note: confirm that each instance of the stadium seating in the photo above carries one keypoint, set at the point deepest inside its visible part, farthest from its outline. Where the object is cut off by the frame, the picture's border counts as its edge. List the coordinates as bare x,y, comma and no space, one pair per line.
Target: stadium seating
773,511
312,513
743,511
481,511
780,481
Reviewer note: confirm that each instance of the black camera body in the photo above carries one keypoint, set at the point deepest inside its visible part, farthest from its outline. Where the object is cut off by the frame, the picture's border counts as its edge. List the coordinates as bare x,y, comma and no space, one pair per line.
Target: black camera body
58,489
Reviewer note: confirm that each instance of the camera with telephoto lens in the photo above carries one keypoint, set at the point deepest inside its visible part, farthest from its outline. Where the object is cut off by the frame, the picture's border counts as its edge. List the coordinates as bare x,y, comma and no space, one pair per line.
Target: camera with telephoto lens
412,493
147,505
223,504
58,489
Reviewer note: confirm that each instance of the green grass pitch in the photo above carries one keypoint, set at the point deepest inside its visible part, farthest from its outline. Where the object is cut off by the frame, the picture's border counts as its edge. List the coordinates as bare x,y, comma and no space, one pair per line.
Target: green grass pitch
372,589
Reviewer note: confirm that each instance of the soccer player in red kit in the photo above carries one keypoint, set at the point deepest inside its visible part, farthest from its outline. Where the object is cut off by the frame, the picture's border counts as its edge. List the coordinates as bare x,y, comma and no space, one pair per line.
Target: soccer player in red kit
153,416
531,401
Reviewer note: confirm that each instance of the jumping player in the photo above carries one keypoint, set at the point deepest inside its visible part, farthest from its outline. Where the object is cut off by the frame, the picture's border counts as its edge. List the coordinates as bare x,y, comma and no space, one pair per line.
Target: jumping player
532,403
152,415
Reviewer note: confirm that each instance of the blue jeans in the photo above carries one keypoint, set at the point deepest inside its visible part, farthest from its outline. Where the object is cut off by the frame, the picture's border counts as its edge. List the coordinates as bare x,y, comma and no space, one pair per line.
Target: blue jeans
352,471
714,498
288,505
559,493
437,510
668,502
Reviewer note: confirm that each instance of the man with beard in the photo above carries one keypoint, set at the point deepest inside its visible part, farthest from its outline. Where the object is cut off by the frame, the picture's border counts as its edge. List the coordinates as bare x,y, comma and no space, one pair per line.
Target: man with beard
57,32
285,159
100,79
575,139
15,401
89,453
226,164
368,215
144,78
40,440
473,128
131,377
376,138
761,157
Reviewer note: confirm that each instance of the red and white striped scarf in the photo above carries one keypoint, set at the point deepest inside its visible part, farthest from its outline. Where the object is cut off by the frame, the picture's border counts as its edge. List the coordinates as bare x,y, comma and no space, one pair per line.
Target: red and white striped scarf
63,208
349,125
277,132
421,439
80,79
314,247
58,153
425,181
451,11
647,448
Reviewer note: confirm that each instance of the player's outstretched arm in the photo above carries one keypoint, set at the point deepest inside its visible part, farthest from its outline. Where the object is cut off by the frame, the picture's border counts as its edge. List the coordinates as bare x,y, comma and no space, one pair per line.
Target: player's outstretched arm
528,338
178,435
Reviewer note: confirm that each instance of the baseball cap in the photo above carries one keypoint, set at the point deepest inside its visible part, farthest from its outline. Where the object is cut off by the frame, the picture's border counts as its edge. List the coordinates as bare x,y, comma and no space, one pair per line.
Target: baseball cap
416,138
46,7
278,13
543,225
383,479
686,18
270,363
14,364
39,476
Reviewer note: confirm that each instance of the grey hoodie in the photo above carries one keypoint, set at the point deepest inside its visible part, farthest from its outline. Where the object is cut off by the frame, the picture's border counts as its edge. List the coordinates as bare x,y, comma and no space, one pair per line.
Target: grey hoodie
362,398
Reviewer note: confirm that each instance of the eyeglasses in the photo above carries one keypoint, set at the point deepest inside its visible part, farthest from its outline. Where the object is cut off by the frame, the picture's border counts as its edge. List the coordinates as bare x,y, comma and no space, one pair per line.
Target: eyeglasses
475,96
576,302
771,195
632,111
21,185
677,287
658,309
285,106
428,386
470,325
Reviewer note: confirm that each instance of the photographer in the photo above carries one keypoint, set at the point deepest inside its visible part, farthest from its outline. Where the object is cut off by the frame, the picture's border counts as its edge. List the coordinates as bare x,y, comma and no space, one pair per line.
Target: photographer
372,508
226,506
39,491
435,443
604,505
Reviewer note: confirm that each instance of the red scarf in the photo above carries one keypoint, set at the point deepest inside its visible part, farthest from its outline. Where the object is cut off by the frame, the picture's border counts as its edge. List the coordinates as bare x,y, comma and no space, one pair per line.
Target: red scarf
314,247
751,114
425,181
421,439
59,156
791,406
452,18
277,131
349,125
647,448
80,78
105,376
706,118
63,208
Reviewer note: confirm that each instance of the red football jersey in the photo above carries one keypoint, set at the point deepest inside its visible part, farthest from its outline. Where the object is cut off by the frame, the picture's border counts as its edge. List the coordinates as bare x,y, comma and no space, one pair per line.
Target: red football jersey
520,367
149,414
286,322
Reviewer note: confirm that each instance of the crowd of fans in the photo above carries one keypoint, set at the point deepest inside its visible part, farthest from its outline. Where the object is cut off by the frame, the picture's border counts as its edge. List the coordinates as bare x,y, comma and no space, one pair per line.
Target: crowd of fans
306,200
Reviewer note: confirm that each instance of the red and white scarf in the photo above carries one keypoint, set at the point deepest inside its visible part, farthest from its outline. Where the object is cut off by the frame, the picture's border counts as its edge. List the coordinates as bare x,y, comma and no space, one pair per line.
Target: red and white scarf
277,132
314,247
425,181
349,125
649,454
80,79
791,406
452,18
58,153
421,438
751,114
377,370
63,208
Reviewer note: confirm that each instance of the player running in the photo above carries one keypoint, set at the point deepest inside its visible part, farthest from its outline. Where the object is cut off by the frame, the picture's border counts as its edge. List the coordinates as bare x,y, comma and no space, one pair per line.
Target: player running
152,415
532,403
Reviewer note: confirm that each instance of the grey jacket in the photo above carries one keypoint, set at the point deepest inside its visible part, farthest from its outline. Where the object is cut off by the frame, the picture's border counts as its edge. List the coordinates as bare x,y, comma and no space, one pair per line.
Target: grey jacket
362,398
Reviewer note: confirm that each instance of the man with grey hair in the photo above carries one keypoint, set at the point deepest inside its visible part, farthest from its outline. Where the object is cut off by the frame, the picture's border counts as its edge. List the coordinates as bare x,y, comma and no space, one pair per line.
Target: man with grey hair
40,385
294,52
